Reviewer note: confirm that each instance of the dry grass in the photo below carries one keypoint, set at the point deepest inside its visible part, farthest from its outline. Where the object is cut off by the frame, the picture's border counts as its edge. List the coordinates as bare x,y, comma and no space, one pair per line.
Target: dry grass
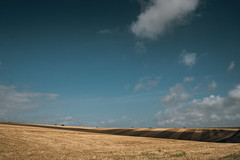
25,142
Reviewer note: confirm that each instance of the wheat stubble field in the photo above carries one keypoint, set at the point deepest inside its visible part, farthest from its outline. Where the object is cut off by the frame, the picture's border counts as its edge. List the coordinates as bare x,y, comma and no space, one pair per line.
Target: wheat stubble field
20,141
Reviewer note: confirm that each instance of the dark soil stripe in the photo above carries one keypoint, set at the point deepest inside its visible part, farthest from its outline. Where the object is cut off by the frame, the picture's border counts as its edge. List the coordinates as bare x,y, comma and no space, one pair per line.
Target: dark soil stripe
187,135
165,134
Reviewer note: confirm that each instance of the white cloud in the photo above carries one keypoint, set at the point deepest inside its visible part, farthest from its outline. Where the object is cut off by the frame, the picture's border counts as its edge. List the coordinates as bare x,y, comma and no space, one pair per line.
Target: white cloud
209,103
176,95
64,120
235,93
147,83
160,15
212,86
206,112
188,79
189,59
13,101
231,66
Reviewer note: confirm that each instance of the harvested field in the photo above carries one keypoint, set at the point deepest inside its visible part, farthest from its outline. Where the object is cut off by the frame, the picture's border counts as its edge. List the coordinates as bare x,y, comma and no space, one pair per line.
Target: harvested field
27,141
225,135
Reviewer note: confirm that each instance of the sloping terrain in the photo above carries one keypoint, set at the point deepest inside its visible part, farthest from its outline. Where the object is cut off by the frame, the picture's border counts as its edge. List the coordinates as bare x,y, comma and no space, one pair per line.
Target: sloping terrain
27,141
226,135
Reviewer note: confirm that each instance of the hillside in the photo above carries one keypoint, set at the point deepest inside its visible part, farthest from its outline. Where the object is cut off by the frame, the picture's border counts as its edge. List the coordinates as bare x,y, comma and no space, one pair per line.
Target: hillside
30,141
225,135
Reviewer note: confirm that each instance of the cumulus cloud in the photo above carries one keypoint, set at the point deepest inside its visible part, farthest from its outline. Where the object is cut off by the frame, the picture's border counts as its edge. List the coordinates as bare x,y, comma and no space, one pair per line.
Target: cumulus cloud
188,79
176,95
235,93
209,111
147,83
212,86
13,101
188,59
160,15
231,66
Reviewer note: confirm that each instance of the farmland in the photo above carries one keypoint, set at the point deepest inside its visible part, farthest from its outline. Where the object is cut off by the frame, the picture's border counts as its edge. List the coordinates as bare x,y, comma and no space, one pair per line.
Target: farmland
25,141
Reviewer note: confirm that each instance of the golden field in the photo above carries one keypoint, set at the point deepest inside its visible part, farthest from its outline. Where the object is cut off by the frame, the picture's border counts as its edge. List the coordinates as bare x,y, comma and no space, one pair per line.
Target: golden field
26,141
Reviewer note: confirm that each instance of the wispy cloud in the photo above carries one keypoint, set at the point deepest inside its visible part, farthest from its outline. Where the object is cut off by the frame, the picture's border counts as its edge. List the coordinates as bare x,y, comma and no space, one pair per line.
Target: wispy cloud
67,120
123,122
188,59
108,31
206,112
188,79
160,15
147,83
176,95
140,47
13,101
231,66
212,86
104,31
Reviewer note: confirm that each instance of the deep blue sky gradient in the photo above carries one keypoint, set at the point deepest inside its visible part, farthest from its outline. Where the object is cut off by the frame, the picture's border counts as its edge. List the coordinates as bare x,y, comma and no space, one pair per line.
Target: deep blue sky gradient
56,47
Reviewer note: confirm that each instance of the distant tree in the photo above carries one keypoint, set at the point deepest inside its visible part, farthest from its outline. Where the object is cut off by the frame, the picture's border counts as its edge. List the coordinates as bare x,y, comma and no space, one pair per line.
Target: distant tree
62,125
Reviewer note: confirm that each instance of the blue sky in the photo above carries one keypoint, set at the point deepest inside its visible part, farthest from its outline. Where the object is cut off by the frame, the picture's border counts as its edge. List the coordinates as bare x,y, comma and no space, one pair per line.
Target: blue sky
131,63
